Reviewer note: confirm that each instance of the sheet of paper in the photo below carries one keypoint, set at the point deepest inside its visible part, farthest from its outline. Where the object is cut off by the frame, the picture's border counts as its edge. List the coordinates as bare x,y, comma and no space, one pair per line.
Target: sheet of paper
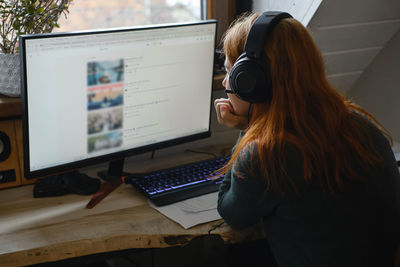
198,204
191,212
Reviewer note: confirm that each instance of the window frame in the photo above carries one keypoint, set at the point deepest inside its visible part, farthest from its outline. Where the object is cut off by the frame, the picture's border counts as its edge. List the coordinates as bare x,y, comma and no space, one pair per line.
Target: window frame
224,11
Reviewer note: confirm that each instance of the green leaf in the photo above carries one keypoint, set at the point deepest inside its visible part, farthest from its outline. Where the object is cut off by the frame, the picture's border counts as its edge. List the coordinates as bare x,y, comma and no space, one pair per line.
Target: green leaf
27,16
16,25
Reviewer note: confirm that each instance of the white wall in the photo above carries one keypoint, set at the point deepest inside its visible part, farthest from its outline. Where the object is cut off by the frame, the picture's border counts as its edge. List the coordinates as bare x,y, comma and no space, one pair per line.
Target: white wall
360,42
302,10
378,88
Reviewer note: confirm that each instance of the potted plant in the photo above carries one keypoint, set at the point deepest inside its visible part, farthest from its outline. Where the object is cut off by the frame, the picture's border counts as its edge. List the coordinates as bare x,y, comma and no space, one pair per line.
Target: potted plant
19,17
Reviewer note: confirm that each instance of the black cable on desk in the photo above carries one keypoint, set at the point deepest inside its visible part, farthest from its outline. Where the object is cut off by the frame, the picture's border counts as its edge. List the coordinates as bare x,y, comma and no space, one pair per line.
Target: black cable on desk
215,227
125,257
202,152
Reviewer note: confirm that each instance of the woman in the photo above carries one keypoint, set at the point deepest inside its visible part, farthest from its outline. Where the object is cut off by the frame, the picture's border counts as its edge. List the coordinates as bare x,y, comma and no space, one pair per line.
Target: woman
316,169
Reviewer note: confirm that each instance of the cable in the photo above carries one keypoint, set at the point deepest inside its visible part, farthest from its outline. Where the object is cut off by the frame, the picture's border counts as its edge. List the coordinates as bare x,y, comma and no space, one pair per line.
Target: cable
152,257
126,258
215,227
202,152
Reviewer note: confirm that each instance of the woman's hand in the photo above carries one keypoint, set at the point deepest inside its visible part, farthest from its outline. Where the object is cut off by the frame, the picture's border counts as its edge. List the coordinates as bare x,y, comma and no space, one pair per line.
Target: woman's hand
226,116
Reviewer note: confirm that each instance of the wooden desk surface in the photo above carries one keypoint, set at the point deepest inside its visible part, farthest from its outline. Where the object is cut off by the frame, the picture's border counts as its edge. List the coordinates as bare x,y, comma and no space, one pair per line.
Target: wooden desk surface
36,230
50,229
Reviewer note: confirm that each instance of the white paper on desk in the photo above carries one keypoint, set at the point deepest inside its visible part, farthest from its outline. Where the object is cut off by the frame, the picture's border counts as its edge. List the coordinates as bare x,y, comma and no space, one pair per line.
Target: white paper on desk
192,211
198,204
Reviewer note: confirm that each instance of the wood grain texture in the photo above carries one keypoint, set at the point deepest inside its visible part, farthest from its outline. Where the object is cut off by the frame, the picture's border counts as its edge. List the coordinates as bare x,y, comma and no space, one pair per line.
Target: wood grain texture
10,107
37,230
49,229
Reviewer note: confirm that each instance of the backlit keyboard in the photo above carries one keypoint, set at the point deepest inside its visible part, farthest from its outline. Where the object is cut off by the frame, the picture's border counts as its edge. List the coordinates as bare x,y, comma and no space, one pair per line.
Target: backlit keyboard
167,186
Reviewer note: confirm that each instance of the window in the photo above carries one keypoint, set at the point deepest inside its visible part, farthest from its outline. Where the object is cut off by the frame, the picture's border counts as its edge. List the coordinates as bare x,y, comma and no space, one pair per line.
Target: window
98,14
224,11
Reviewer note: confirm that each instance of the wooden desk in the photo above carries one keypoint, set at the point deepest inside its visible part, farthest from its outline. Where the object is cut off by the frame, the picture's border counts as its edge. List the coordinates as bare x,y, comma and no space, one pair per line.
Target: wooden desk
50,229
37,230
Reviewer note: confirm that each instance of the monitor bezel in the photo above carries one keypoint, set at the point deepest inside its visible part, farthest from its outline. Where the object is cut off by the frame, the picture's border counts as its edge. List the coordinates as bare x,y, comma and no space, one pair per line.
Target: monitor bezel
66,167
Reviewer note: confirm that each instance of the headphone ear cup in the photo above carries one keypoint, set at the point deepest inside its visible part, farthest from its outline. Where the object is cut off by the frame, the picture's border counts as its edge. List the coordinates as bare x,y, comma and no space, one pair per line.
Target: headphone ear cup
249,79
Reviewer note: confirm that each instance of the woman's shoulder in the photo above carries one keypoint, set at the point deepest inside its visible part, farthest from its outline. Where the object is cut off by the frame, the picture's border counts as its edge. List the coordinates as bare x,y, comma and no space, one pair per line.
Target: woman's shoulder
376,135
370,127
254,156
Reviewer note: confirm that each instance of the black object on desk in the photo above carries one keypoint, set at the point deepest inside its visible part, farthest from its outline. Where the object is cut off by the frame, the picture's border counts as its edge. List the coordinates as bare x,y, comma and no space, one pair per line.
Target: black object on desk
179,183
61,184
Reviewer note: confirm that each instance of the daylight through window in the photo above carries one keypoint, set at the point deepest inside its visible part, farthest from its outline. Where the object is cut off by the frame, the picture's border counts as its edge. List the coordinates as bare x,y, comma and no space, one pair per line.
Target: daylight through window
100,14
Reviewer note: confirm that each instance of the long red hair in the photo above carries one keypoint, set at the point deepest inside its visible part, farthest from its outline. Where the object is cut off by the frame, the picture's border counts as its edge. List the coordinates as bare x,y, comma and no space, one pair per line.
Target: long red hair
305,111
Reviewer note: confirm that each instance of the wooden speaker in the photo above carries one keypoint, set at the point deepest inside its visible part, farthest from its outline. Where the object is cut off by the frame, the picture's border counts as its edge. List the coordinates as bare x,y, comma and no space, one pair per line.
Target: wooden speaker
18,131
10,170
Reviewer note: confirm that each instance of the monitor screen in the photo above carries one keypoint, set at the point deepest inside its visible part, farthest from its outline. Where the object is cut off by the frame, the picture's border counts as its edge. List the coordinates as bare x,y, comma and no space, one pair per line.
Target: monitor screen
96,96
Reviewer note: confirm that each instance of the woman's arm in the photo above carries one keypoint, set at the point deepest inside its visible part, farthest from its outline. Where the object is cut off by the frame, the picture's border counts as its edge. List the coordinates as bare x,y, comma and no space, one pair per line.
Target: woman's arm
243,198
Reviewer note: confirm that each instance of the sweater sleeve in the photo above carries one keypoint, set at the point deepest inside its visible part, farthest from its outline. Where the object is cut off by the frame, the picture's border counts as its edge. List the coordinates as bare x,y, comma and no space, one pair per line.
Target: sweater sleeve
243,197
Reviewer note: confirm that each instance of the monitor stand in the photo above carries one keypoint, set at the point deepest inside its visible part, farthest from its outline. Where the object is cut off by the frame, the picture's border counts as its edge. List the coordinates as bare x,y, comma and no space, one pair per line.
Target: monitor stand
113,178
115,171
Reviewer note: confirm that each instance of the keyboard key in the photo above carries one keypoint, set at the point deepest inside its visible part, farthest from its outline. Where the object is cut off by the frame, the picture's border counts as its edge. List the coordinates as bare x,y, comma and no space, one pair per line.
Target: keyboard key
170,185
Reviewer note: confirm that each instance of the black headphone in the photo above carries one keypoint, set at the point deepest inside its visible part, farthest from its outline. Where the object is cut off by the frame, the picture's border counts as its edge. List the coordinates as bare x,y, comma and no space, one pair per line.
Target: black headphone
249,77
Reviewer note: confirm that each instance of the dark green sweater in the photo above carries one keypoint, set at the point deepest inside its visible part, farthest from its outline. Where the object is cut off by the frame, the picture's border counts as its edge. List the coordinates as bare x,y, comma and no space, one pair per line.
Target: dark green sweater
359,227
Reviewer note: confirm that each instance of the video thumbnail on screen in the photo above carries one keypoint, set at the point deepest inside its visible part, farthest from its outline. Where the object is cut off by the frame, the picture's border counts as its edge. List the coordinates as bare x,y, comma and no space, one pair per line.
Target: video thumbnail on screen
105,100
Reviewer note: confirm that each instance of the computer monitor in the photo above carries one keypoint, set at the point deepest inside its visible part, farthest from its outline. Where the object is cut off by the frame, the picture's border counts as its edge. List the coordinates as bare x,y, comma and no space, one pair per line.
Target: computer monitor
99,96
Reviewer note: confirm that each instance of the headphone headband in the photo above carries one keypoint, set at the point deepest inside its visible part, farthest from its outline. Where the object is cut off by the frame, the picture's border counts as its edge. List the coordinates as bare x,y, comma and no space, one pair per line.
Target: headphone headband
250,75
260,29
